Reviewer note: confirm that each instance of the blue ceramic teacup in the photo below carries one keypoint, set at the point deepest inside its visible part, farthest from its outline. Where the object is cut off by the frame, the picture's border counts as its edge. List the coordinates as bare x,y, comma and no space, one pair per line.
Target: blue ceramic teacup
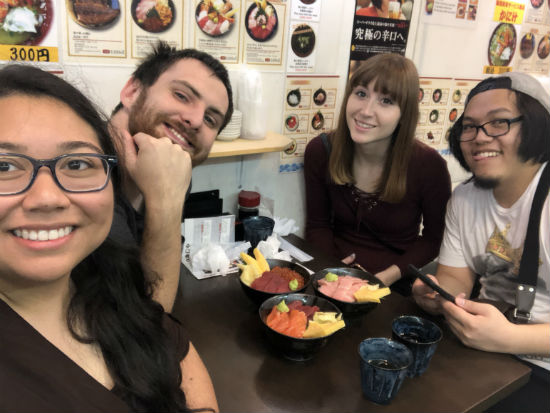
383,364
257,228
421,336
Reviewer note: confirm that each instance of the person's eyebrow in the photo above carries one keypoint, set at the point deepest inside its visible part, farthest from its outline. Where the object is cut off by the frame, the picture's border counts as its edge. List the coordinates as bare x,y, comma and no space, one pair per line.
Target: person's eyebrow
65,146
74,145
11,147
196,93
491,112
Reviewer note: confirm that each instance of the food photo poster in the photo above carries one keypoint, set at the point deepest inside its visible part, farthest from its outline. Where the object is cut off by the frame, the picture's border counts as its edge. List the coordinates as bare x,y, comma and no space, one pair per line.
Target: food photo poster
379,27
96,29
33,26
154,20
302,47
218,31
514,46
265,27
534,49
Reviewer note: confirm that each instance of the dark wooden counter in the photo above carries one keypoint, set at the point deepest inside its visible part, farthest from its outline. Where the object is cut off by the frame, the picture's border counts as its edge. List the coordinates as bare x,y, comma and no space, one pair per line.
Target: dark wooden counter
249,376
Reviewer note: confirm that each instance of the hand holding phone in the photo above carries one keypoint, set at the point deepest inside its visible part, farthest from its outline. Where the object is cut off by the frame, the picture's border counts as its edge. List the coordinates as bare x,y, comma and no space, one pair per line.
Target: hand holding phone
429,282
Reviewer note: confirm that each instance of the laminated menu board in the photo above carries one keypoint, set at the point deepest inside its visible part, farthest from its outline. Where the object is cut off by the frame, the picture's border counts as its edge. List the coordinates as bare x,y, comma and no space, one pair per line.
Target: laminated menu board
441,102
309,110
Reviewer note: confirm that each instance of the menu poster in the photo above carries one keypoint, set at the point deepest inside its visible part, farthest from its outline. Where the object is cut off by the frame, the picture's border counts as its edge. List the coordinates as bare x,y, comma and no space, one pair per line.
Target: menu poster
264,23
96,34
501,49
537,11
441,102
301,50
310,109
534,49
458,13
217,30
152,21
308,10
29,30
378,31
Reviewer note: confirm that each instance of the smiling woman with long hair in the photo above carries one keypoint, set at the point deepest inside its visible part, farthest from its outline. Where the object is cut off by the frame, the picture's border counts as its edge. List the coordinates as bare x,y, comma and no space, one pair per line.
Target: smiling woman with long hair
370,184
80,331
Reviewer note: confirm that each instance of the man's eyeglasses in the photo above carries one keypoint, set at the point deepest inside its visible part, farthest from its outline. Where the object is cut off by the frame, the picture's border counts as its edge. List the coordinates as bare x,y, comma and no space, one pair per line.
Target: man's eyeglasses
493,128
74,172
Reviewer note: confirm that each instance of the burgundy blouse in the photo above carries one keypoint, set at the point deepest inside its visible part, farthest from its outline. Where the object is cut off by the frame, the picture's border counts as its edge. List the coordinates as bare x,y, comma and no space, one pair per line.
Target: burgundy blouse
341,219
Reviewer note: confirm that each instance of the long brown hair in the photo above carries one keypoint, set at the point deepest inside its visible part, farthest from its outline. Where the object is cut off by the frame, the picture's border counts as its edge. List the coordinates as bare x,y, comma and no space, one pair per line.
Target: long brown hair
397,77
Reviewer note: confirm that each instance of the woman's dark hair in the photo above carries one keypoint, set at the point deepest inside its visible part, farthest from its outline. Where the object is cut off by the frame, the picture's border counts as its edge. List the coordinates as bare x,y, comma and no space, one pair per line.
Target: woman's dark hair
535,140
397,77
112,298
162,57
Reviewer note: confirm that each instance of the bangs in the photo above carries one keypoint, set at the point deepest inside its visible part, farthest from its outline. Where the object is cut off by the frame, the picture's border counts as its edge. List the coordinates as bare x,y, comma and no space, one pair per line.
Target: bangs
391,77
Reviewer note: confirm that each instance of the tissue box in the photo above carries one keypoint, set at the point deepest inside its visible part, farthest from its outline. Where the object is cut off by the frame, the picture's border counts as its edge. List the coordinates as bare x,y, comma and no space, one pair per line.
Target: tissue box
199,232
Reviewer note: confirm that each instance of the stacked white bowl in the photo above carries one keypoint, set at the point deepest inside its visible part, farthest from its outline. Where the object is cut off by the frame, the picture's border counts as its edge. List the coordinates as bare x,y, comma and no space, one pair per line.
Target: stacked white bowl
233,129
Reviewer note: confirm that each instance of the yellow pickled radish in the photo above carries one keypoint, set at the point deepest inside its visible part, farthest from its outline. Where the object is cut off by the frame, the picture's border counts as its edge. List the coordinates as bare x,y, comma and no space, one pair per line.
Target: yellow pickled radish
264,266
252,262
247,275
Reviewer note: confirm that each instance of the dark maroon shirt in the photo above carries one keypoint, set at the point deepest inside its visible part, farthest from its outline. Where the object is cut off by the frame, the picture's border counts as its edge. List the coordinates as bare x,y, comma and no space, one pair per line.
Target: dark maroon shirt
35,376
341,218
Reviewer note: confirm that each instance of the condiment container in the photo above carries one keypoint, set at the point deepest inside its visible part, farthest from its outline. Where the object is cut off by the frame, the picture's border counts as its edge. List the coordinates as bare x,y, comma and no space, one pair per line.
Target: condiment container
249,203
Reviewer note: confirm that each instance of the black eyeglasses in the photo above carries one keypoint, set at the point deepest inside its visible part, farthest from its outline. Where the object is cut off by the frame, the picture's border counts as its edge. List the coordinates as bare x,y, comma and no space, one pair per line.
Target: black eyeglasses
73,172
493,128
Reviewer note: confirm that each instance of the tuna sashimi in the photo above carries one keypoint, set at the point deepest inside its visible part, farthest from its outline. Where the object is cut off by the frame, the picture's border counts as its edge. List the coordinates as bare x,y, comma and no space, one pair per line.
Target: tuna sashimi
343,288
270,282
307,309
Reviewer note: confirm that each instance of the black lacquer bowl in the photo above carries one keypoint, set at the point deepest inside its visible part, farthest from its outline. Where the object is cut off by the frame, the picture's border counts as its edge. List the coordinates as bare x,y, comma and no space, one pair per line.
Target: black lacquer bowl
259,297
346,307
297,349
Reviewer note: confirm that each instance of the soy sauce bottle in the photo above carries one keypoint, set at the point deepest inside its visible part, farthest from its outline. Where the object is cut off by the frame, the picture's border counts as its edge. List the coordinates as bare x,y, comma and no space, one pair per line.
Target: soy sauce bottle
248,206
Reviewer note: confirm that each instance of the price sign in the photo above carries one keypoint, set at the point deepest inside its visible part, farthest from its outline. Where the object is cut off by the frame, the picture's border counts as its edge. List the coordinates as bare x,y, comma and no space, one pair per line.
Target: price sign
496,70
509,12
28,53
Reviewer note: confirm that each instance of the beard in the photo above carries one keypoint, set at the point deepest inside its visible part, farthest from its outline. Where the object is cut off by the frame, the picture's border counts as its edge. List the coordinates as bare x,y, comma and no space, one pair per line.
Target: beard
146,120
485,183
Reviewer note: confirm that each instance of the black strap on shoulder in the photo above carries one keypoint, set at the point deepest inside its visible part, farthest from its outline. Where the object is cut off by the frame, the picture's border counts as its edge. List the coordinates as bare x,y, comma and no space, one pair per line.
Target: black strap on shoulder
326,142
529,264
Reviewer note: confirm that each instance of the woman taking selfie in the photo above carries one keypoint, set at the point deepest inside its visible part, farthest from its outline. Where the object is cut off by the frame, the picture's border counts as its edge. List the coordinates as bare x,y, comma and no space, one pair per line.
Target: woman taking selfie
80,331
370,184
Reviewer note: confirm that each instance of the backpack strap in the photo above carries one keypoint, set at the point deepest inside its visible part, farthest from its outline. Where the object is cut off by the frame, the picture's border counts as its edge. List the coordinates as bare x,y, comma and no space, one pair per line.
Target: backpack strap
326,142
529,264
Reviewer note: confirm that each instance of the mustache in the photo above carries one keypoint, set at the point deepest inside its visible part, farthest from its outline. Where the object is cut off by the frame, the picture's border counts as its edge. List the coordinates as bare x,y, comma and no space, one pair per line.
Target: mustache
180,127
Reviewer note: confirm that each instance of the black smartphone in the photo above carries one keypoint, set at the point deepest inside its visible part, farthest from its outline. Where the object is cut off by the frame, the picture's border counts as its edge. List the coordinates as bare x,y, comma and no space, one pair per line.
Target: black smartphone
428,281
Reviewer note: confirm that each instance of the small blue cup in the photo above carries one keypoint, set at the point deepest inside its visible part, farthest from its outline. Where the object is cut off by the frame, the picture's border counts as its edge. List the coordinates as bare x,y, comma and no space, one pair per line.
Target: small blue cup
421,336
383,364
257,228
